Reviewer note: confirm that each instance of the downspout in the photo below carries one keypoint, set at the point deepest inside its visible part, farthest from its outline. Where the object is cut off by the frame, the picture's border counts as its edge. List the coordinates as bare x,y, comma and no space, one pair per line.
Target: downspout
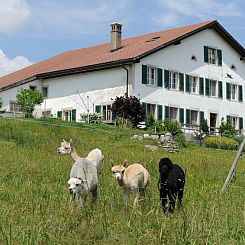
126,80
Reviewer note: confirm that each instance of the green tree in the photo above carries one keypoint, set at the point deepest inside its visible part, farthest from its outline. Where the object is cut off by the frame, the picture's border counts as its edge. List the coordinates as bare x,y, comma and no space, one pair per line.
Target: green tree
128,108
28,99
226,128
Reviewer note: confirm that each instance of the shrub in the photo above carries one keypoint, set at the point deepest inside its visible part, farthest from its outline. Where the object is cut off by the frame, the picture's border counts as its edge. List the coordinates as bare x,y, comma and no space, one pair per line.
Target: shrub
28,99
204,125
172,126
93,118
129,108
149,121
221,143
226,128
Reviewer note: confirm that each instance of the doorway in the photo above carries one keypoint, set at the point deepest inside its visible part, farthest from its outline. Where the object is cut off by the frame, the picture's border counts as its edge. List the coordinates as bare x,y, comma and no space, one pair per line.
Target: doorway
213,121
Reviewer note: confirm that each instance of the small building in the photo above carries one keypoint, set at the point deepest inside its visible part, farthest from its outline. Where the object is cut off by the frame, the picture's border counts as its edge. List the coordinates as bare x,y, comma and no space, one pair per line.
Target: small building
185,74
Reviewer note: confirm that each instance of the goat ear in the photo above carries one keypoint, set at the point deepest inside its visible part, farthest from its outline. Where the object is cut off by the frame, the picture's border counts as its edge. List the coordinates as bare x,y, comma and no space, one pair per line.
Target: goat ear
124,163
112,163
63,140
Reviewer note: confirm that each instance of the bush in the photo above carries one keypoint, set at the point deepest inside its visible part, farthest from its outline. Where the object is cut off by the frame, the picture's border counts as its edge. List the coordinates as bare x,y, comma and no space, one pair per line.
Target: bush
93,118
172,126
128,108
149,121
226,128
204,126
221,143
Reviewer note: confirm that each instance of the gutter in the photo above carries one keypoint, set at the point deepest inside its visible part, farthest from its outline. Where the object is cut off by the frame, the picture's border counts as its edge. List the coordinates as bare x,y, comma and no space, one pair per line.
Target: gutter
126,80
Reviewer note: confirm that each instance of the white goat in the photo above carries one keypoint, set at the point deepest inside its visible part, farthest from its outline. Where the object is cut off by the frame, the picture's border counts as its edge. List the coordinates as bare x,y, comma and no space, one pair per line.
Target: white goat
94,156
134,178
83,180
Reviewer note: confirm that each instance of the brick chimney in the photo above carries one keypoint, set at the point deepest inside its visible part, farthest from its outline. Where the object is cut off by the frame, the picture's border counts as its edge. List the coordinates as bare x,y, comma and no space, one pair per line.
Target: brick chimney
116,31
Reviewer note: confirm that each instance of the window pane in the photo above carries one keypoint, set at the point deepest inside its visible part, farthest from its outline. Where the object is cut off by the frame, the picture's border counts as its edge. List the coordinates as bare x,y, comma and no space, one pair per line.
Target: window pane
173,113
173,80
194,117
213,85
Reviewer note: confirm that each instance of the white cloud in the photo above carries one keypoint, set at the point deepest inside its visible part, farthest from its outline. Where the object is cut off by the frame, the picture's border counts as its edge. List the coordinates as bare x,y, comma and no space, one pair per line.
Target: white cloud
174,11
14,13
8,65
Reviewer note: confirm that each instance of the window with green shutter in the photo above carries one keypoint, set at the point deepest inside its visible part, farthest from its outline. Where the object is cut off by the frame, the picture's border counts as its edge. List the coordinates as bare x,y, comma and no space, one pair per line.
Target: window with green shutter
207,87
240,93
181,82
159,77
144,106
240,123
188,117
220,91
166,79
219,56
98,109
201,116
181,116
159,112
187,83
73,115
167,112
228,91
144,74
205,54
201,86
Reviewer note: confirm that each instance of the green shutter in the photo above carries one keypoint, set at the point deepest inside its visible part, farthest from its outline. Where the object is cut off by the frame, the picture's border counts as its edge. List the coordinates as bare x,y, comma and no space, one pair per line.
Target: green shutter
159,112
144,74
166,78
167,112
201,116
59,114
98,109
220,91
207,87
201,86
228,91
159,77
181,82
228,118
188,117
73,115
181,116
205,54
240,123
144,106
240,93
187,83
219,55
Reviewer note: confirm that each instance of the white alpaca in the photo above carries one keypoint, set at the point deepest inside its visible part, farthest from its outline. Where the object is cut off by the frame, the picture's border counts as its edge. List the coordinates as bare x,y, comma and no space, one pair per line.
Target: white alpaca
95,156
83,180
134,178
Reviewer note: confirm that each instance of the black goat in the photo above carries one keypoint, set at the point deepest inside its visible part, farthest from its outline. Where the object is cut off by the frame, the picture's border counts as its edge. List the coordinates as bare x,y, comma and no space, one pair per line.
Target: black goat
171,183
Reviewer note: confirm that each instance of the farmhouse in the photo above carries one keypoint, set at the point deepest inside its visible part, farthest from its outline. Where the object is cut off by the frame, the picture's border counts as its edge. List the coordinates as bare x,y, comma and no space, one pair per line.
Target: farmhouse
186,74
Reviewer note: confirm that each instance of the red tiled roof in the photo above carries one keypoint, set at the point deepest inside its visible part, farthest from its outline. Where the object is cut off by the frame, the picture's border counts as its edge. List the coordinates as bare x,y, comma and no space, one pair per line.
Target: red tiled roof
132,48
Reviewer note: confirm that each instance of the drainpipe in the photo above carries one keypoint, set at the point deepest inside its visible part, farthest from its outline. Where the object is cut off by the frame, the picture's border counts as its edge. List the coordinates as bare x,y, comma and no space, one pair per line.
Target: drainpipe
126,80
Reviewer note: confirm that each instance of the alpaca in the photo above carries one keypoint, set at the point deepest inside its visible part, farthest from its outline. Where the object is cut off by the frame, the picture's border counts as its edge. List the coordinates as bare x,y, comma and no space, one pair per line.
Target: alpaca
94,156
133,178
171,183
83,180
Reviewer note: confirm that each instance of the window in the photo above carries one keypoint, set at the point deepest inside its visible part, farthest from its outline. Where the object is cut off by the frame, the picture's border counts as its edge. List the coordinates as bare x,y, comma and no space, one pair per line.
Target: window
194,117
14,107
106,113
33,88
45,91
151,75
193,84
234,121
67,115
173,113
213,88
212,56
234,92
150,109
46,114
173,79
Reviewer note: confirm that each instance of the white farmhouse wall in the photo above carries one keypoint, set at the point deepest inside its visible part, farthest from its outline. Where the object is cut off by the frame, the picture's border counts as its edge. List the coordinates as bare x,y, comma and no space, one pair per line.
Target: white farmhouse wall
178,57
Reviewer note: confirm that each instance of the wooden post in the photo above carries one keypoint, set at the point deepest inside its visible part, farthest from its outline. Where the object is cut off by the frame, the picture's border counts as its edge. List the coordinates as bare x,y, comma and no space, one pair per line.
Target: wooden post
232,170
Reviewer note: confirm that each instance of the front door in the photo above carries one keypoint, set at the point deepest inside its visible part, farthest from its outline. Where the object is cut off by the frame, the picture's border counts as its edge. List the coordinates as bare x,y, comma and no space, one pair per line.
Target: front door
213,121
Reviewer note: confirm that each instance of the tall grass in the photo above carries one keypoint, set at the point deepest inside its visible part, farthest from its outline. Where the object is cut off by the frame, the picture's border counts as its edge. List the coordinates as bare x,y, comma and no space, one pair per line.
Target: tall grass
34,199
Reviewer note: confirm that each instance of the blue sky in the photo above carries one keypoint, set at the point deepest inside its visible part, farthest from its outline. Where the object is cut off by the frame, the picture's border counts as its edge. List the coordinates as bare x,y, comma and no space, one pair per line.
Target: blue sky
33,30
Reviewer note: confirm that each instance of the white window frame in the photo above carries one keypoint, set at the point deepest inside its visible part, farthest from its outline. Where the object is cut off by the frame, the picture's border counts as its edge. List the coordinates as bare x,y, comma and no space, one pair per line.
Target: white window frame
173,80
14,107
192,78
68,116
151,76
212,56
44,112
216,87
192,122
234,92
176,111
106,112
152,110
234,121
47,87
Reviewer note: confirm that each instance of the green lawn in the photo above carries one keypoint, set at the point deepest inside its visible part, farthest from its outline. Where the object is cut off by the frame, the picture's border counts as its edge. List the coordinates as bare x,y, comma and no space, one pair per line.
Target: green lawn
34,200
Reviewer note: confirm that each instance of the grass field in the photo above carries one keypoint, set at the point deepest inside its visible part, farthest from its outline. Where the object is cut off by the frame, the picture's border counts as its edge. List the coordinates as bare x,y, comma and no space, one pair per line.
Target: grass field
34,200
